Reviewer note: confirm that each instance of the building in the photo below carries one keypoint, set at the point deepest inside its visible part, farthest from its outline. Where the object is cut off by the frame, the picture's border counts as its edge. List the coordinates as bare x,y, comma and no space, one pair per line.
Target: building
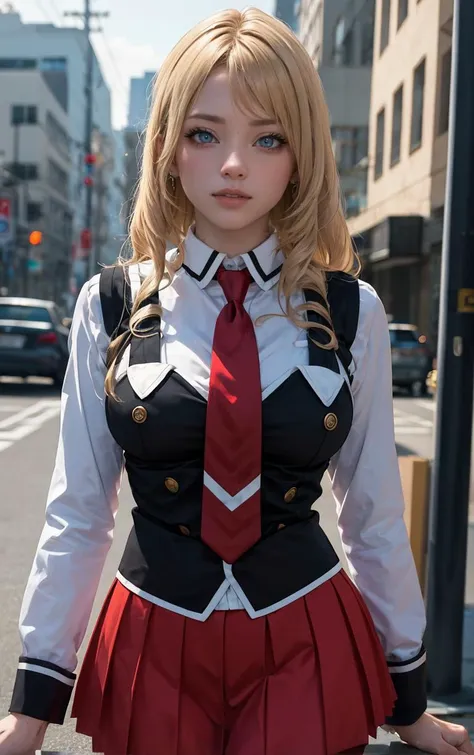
60,54
140,101
400,233
141,94
35,175
339,37
288,11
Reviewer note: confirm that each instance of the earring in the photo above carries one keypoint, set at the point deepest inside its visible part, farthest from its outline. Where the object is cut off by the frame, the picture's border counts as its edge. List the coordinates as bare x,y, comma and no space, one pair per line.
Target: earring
172,181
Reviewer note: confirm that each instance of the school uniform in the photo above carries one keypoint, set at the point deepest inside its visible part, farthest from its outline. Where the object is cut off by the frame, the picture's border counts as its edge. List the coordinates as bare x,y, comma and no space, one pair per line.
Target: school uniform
259,645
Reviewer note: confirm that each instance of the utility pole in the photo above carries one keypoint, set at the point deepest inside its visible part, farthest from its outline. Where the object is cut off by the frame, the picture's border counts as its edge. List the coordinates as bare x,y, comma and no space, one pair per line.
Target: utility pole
447,546
86,16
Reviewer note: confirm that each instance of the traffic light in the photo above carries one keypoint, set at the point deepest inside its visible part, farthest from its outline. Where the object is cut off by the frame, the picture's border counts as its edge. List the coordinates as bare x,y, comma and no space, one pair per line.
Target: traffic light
35,238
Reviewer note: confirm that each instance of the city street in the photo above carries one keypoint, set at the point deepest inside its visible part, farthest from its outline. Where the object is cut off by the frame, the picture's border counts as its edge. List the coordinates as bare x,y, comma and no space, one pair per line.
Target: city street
29,416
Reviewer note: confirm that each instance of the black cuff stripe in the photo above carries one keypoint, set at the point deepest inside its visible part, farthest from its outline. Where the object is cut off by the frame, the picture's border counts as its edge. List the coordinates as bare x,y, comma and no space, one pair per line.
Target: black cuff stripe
40,696
48,665
415,659
411,702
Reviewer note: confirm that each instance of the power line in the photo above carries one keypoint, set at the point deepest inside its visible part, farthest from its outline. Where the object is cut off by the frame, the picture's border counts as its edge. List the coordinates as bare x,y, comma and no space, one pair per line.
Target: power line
113,62
44,11
57,11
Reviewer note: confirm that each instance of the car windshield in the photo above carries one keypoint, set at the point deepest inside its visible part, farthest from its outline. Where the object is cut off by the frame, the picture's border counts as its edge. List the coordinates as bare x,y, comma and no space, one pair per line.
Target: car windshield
403,338
24,312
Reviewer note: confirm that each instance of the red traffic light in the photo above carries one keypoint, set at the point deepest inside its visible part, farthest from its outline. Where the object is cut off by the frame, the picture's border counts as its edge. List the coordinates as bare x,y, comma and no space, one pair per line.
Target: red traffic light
88,181
90,159
35,238
86,239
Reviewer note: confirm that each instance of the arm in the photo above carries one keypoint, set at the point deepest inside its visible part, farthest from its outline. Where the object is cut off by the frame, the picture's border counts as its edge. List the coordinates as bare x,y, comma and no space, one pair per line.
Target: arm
370,506
80,514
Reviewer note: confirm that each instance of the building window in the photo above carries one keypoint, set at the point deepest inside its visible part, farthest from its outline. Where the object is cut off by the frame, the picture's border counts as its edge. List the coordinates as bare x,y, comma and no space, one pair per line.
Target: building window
379,143
343,51
17,63
384,25
367,45
402,12
21,114
33,211
24,171
416,136
350,146
53,64
445,93
397,126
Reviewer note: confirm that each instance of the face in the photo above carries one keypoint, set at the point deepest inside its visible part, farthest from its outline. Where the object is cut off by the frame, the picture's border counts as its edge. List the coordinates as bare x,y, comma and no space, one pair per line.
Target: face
233,166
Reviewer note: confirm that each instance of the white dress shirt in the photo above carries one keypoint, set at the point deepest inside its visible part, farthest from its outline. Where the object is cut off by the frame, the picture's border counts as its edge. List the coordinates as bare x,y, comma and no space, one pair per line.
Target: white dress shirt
82,500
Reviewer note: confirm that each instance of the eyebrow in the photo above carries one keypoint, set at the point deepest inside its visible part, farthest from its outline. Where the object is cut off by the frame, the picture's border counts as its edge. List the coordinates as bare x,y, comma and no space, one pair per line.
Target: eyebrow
218,119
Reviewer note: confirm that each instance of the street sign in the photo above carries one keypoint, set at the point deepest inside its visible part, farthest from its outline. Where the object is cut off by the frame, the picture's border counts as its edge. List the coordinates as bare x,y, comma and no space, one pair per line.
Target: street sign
6,230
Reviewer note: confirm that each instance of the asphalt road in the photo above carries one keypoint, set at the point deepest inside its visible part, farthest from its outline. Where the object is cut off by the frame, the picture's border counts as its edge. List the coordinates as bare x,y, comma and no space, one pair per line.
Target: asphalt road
29,415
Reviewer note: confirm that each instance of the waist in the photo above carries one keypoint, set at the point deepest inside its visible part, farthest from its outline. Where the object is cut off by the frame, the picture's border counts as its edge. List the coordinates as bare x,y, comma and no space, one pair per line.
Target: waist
178,571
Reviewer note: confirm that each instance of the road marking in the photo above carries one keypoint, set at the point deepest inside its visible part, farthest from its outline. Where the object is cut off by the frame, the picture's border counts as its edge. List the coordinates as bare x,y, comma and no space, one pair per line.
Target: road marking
27,421
411,424
9,407
425,403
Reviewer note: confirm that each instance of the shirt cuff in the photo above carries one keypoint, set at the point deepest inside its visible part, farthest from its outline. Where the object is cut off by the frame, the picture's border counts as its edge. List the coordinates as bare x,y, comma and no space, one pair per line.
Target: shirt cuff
409,680
42,690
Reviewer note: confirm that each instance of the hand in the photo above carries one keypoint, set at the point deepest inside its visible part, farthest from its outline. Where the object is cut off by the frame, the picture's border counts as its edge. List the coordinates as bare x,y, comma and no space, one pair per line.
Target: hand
21,735
433,735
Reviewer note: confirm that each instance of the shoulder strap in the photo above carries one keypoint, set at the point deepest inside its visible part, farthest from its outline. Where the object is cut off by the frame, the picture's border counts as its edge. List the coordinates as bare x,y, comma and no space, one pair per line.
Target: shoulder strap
344,304
115,299
343,299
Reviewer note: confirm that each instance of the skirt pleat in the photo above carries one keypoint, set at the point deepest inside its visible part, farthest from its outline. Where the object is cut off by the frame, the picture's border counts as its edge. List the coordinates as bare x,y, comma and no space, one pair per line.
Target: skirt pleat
344,690
90,685
310,678
119,693
158,681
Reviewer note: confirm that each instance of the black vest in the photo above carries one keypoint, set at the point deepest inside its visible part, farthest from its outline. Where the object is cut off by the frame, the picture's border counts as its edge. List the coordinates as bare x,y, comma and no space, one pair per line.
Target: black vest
165,559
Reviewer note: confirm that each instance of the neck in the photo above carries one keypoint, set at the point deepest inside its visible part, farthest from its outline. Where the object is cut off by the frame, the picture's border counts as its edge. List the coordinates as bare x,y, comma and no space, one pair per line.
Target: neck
231,242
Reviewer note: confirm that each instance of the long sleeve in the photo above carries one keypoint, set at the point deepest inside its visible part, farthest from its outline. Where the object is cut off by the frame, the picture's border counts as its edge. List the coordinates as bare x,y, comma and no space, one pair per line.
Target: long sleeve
80,515
370,507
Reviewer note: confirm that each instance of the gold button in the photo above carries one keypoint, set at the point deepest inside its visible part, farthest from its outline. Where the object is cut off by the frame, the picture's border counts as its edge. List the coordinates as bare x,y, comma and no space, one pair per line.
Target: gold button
184,530
290,494
171,485
281,526
139,414
330,421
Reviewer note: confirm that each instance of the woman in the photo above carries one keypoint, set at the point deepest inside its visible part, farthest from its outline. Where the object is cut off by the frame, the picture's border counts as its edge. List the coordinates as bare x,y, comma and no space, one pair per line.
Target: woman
238,367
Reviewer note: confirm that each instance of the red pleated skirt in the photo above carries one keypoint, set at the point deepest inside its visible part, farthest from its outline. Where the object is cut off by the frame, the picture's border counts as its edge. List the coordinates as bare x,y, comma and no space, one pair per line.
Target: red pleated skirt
308,679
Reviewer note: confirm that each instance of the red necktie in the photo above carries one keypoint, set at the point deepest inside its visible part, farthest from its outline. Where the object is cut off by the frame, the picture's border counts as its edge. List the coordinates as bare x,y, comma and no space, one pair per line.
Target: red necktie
231,521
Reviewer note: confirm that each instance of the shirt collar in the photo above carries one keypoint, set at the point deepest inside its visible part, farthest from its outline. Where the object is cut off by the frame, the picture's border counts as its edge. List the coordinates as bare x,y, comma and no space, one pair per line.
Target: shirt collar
201,261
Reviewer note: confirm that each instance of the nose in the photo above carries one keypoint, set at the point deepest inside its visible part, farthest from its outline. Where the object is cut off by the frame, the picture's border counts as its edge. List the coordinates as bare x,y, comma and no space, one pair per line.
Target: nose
234,167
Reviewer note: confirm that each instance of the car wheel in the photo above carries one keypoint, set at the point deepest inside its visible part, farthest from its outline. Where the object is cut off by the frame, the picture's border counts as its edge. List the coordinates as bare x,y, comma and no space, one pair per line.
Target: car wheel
418,388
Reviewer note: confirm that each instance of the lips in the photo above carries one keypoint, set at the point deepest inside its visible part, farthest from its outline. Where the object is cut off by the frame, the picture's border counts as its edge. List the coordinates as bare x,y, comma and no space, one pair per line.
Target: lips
232,194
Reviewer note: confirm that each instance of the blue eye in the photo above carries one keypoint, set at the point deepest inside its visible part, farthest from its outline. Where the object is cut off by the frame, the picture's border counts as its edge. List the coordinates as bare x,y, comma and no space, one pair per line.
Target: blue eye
200,136
271,141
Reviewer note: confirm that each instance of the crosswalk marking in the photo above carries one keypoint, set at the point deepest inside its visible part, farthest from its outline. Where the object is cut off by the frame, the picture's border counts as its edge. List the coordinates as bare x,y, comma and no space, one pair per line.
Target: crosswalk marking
26,421
407,423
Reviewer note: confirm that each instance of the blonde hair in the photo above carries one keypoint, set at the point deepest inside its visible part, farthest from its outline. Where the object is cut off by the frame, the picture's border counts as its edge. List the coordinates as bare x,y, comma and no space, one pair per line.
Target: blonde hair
269,72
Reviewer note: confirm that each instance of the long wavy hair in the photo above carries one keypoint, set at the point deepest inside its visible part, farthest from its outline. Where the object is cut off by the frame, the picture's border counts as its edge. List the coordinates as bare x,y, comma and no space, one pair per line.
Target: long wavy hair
270,72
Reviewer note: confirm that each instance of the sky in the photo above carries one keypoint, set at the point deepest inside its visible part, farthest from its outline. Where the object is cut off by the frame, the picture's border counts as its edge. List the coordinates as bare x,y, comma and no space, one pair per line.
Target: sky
137,35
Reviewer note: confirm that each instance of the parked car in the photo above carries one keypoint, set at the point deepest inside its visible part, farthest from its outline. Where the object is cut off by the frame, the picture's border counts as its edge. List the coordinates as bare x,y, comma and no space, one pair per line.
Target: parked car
33,339
411,358
432,379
